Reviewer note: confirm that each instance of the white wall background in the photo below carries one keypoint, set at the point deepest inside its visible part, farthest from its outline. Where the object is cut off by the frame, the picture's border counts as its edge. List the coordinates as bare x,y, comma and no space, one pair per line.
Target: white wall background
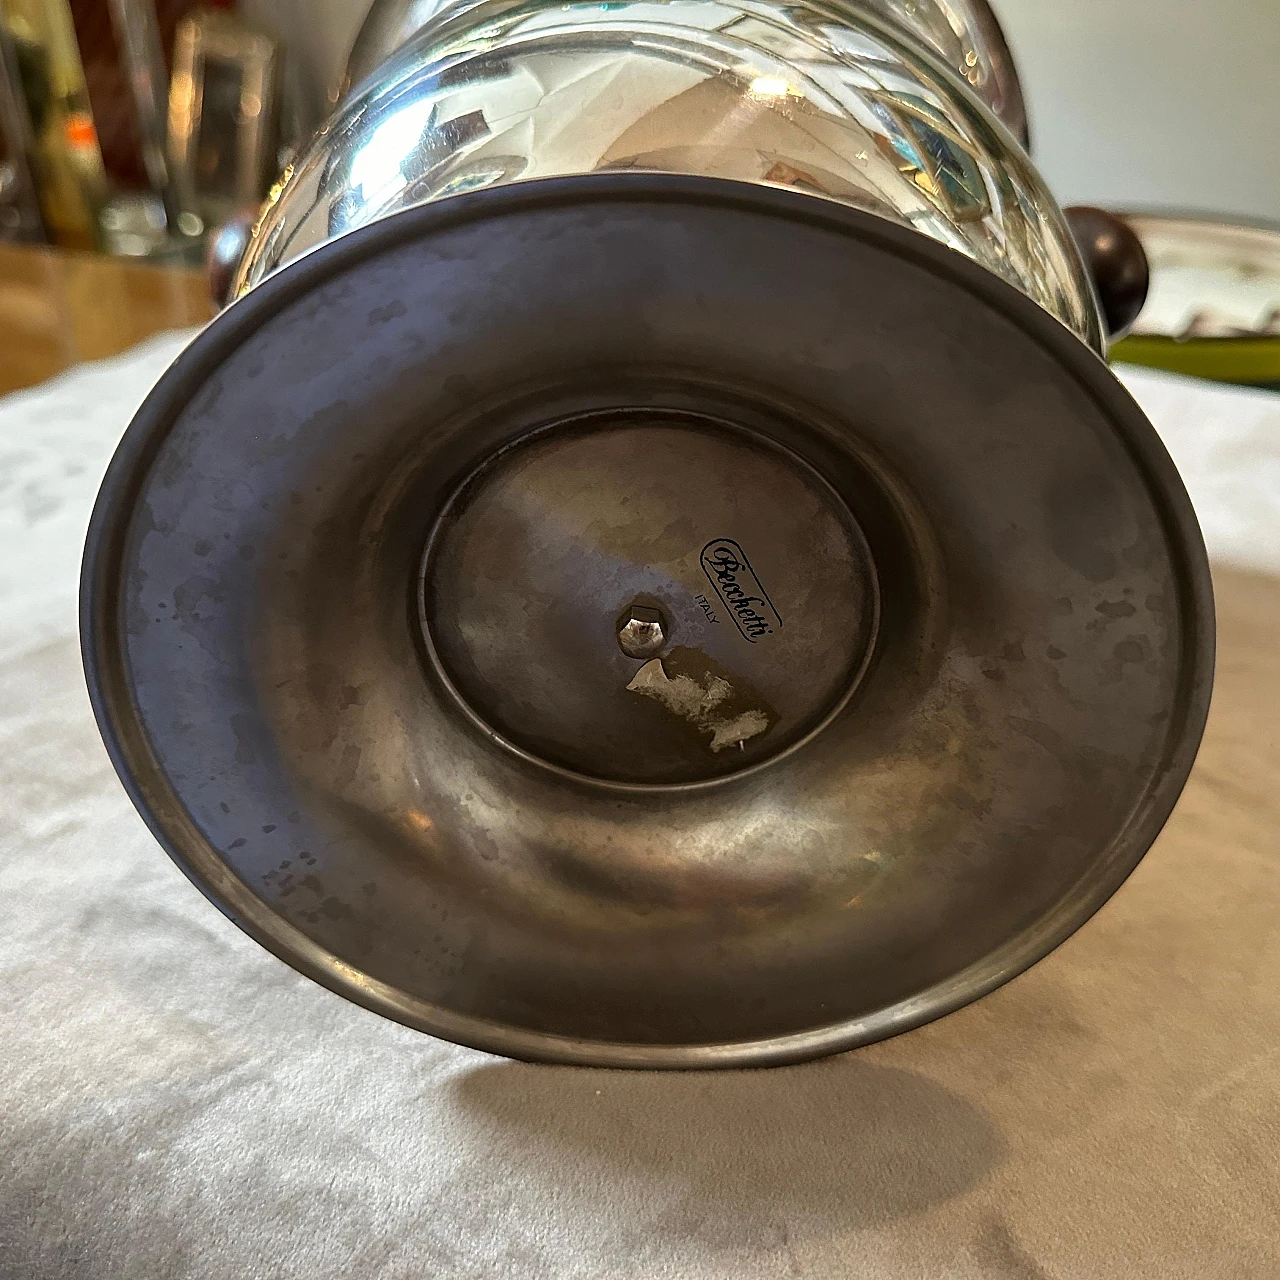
1153,102
1132,102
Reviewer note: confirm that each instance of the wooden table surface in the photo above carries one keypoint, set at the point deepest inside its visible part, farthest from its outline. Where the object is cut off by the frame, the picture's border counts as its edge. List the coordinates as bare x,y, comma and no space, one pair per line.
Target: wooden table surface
58,309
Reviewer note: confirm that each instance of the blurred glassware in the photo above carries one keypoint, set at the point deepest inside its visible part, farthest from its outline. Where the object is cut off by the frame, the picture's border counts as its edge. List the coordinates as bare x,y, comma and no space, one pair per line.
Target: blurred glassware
223,117
134,225
138,34
1213,310
65,159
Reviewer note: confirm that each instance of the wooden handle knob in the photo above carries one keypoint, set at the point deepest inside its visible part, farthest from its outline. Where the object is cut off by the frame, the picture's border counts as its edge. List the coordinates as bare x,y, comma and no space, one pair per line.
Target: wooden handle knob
1117,261
225,248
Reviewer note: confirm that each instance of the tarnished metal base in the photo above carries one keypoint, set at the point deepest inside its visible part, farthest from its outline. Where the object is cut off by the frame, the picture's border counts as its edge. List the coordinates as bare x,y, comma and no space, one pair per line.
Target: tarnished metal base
759,579
648,621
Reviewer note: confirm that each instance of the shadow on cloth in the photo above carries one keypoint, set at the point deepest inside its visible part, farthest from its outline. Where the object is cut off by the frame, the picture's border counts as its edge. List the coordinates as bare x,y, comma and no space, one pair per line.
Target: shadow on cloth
839,1144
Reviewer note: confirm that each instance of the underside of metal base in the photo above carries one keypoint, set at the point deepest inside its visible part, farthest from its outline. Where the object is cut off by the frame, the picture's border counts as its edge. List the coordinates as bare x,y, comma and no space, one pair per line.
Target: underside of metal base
647,621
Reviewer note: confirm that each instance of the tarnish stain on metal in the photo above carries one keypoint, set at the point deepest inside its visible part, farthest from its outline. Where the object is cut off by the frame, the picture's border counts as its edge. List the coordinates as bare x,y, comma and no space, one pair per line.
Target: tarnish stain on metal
689,685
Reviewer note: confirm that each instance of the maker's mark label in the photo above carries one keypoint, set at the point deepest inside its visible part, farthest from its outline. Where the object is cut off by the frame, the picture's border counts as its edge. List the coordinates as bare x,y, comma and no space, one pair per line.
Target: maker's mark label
730,572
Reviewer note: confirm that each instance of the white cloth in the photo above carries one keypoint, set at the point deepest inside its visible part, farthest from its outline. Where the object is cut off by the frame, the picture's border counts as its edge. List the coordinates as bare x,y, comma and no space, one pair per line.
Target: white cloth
1226,443
175,1102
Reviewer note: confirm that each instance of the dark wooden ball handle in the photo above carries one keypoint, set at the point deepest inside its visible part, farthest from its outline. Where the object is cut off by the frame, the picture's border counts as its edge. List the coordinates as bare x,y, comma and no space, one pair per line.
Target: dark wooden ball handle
1117,261
223,251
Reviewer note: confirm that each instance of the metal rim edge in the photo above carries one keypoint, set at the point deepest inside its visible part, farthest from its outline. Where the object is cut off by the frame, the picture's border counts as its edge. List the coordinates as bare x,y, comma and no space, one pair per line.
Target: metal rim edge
164,814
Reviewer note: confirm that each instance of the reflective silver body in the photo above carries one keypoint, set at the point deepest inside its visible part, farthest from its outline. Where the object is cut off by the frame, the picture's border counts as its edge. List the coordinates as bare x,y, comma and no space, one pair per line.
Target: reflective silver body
964,33
858,105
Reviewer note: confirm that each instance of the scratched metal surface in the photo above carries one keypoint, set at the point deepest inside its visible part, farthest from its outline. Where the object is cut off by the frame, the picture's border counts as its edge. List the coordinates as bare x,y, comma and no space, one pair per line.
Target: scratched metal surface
178,1104
1038,679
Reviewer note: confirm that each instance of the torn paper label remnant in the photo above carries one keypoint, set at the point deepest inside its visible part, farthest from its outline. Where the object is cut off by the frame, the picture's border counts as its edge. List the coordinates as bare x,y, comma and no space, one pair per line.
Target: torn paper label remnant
691,686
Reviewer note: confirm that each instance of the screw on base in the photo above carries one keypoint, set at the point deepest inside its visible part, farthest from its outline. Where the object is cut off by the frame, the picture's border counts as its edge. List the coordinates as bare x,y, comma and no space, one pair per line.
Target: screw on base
642,632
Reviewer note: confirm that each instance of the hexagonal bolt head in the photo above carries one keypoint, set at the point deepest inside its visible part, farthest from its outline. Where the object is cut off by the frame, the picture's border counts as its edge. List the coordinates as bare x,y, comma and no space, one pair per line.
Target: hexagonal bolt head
642,632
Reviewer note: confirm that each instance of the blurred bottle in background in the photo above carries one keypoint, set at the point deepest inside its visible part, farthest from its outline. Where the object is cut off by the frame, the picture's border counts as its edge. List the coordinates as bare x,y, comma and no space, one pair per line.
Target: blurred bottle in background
65,159
136,126
19,206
